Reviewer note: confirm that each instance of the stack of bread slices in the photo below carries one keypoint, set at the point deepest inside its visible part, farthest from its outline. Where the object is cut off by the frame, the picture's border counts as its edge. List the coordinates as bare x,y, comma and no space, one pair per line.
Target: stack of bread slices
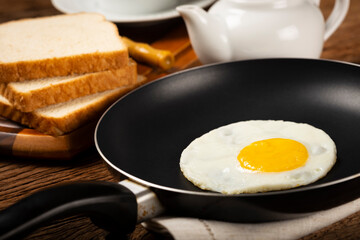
60,72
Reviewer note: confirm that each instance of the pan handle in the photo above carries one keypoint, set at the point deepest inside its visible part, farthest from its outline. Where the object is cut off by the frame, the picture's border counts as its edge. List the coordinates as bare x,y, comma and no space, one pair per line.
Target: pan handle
111,206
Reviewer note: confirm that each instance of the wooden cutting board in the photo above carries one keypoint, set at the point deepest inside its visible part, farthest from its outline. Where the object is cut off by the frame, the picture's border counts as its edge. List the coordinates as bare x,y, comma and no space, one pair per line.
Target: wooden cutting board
19,141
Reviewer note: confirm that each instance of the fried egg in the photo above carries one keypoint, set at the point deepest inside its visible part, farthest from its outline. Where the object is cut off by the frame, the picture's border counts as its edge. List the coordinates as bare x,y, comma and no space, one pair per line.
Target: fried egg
258,156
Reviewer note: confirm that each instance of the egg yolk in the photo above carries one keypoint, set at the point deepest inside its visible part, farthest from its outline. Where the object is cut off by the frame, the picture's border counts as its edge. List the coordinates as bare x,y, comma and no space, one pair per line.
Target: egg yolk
273,155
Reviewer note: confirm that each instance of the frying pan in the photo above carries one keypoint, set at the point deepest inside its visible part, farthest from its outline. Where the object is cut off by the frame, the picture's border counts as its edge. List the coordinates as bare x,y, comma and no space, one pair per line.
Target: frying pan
143,134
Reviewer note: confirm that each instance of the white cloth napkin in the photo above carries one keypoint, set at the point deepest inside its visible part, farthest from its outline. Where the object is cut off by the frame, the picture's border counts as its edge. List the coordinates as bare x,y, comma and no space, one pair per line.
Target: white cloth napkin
191,228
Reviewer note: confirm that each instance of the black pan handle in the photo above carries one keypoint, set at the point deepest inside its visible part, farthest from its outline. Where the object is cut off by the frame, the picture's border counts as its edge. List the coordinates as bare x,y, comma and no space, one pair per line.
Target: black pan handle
111,206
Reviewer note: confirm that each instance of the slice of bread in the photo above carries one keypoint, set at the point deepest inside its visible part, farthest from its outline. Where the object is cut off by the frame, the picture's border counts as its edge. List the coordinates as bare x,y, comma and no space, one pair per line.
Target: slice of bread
62,118
59,45
8,111
27,96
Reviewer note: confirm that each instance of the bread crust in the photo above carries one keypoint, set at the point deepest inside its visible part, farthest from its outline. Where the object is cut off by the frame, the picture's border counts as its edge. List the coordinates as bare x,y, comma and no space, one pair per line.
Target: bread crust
66,90
64,66
11,113
67,65
59,126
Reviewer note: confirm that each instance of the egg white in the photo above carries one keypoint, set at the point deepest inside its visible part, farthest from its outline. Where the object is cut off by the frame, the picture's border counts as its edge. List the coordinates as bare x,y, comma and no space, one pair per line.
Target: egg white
210,161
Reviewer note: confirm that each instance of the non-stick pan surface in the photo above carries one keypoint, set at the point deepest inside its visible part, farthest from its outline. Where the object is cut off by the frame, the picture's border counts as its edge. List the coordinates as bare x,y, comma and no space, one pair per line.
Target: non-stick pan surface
143,134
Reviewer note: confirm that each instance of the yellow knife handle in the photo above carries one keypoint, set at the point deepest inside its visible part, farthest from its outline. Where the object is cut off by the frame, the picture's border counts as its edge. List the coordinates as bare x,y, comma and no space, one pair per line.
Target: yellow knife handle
143,52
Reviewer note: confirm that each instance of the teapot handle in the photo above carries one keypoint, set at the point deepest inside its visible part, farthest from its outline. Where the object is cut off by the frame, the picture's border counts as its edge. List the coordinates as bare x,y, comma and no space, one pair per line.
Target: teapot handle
336,17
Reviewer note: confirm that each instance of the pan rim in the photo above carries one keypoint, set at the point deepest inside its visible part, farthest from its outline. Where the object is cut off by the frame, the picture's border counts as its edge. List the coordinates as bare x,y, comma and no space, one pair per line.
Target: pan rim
209,193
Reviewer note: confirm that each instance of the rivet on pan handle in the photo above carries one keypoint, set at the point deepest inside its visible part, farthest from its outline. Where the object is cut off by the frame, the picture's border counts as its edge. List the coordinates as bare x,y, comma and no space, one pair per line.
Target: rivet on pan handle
148,204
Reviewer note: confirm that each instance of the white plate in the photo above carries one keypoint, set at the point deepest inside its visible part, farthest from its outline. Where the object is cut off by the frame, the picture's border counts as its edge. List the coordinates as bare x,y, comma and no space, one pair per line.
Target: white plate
74,6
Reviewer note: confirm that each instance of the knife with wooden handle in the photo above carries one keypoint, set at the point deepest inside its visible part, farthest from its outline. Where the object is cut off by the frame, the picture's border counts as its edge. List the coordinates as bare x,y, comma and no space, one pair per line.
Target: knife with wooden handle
143,52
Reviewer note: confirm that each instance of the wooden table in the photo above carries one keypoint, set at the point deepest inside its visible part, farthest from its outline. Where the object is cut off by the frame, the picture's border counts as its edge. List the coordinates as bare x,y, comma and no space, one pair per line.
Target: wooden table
21,177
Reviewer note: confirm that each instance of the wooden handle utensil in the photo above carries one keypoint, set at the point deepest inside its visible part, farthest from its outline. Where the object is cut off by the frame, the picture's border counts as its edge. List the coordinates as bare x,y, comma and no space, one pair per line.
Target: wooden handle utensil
143,52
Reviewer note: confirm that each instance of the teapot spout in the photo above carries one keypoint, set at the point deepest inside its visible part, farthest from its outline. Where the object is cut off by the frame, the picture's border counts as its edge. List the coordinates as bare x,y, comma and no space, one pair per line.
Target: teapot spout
207,33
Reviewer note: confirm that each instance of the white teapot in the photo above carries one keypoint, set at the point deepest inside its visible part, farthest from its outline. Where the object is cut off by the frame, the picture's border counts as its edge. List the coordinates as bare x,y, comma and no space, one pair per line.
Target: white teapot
246,29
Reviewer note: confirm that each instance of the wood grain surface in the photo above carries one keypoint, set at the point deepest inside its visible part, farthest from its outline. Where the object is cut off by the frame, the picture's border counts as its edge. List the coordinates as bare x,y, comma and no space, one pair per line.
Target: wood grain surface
20,177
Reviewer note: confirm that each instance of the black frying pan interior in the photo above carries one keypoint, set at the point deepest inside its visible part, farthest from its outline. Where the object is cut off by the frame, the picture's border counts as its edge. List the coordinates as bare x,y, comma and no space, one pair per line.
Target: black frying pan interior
144,133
